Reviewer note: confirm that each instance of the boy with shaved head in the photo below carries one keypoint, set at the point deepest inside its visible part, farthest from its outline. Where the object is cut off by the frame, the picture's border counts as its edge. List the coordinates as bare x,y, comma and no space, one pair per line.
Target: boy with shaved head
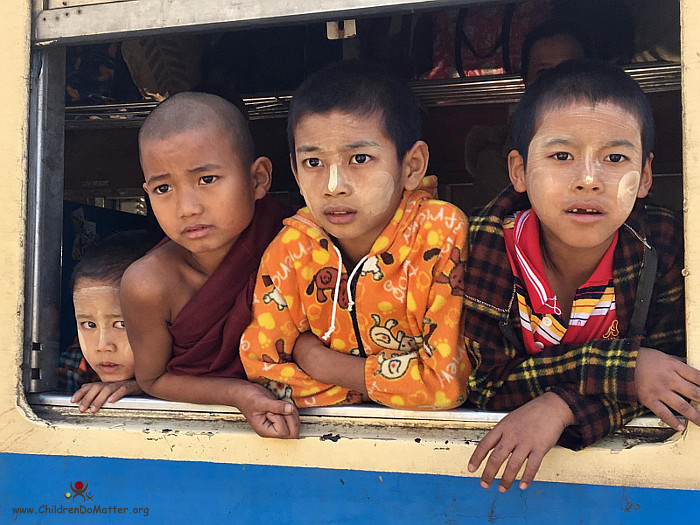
187,302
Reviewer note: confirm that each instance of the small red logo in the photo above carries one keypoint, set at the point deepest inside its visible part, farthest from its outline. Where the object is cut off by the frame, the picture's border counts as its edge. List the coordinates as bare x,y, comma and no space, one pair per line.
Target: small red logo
78,489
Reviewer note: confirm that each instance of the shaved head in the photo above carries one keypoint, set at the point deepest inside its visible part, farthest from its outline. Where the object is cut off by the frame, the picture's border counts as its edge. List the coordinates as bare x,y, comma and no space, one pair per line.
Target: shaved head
190,111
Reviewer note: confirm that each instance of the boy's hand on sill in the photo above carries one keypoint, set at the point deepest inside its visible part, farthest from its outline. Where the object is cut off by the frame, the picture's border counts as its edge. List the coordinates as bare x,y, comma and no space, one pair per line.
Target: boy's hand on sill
93,395
269,416
526,434
664,383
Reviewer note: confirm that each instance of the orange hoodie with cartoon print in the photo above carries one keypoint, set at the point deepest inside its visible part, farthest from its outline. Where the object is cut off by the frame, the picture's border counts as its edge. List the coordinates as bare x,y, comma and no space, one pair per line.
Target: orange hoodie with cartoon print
400,307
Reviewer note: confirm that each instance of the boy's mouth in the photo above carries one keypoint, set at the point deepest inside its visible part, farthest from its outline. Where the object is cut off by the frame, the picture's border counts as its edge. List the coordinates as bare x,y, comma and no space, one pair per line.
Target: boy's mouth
339,214
196,231
109,367
583,211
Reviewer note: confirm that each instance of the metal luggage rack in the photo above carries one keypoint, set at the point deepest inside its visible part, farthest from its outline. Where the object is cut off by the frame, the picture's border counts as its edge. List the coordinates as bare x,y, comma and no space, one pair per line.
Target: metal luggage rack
500,89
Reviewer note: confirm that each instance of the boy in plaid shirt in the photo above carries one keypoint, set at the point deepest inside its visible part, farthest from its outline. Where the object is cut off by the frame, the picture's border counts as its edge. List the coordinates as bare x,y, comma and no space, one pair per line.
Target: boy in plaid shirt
574,293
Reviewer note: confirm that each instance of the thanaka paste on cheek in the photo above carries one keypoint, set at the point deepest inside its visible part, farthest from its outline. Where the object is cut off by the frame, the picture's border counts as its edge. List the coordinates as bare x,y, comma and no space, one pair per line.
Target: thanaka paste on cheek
377,197
627,190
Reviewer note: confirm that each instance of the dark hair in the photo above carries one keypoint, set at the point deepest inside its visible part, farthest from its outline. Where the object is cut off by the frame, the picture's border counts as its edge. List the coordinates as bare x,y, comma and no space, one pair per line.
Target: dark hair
551,29
360,88
109,259
581,81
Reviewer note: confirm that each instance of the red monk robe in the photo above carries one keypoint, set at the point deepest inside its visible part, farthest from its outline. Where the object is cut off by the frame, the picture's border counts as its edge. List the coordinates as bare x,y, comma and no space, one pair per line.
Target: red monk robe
207,331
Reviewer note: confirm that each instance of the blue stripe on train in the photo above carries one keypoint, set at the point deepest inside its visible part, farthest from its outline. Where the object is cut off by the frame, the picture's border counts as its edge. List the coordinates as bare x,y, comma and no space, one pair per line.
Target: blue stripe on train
76,489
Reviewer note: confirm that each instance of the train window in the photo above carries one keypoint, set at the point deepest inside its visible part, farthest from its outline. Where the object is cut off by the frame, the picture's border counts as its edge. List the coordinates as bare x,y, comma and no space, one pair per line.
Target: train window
89,98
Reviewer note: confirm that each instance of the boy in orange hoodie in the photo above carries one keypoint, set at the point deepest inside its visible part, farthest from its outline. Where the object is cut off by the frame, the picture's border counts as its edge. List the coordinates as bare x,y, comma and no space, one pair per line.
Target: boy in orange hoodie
371,271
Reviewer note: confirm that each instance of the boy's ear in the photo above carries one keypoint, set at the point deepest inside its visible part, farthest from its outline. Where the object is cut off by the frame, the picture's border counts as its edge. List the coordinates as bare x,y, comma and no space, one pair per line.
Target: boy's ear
415,165
646,178
145,188
516,171
261,173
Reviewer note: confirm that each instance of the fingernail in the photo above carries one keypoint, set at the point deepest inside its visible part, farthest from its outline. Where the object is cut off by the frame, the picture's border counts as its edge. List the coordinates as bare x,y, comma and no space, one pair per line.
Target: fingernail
72,399
680,427
523,486
502,489
484,485
471,468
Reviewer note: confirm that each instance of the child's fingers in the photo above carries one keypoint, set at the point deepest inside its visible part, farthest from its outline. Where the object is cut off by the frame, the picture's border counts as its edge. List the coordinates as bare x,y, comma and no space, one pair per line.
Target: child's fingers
498,456
89,396
482,449
117,394
515,463
665,415
292,421
278,426
684,408
687,388
100,399
691,374
534,460
79,394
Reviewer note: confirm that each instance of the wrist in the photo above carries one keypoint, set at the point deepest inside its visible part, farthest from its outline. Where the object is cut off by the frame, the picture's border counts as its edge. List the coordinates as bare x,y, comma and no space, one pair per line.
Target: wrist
560,408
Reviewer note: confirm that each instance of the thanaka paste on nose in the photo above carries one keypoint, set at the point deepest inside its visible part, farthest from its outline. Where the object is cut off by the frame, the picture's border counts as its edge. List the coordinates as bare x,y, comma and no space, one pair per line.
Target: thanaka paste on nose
333,178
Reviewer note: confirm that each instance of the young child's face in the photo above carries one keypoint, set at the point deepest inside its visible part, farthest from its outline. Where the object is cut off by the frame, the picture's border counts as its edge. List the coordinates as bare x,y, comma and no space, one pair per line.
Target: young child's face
584,172
101,330
348,172
201,190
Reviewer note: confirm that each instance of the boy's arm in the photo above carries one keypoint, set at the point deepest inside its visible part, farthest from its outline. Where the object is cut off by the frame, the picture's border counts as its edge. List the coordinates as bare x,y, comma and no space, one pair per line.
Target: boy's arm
435,375
145,314
268,342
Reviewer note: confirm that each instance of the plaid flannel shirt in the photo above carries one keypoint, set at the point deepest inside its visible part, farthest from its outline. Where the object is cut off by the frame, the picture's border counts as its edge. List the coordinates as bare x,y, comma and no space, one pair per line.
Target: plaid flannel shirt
74,370
595,379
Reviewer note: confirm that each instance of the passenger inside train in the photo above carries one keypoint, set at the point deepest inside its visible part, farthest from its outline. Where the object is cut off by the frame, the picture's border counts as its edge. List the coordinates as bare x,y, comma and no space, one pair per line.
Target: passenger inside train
188,300
370,227
99,368
574,292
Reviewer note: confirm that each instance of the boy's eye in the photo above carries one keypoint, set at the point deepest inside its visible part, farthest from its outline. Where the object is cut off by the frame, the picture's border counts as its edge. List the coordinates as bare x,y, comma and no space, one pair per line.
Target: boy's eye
313,162
615,157
360,158
562,155
119,324
162,188
208,179
88,325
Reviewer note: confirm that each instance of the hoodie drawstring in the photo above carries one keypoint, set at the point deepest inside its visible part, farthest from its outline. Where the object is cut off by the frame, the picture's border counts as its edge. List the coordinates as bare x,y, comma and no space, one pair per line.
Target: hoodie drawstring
335,294
351,300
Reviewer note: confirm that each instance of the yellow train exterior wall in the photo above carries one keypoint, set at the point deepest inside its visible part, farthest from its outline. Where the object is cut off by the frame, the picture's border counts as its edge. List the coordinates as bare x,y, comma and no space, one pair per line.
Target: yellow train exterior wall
670,465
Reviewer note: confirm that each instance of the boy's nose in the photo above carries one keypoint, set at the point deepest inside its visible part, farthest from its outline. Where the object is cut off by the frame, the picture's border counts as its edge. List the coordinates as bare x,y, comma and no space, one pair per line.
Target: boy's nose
336,183
106,342
588,177
189,204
